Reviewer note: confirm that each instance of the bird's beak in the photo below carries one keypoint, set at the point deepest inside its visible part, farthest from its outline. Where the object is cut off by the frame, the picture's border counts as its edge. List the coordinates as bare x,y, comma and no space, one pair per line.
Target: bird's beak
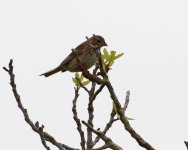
105,44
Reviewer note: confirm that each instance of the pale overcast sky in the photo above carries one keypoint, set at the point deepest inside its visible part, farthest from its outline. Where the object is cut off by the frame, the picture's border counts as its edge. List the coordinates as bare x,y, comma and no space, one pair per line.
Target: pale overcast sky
39,34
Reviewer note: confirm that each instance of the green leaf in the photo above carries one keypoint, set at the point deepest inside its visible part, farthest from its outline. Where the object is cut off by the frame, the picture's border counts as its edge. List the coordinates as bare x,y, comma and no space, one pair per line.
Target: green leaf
105,62
106,54
77,75
111,63
130,118
112,55
118,56
85,83
81,78
102,57
74,80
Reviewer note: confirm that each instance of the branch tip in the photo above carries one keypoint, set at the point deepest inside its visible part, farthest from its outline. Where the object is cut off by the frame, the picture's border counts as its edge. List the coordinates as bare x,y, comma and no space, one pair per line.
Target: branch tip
5,69
186,144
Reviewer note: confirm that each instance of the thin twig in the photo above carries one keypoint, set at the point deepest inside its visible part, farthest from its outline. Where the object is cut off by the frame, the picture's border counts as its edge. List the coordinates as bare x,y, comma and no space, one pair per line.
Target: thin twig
77,120
69,148
125,121
120,110
107,127
97,92
41,133
186,144
90,122
112,120
91,111
80,83
92,90
94,78
92,97
90,104
105,146
107,140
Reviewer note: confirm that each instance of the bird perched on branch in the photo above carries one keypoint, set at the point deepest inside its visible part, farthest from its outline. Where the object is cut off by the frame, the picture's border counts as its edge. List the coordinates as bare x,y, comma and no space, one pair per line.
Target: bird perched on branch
84,56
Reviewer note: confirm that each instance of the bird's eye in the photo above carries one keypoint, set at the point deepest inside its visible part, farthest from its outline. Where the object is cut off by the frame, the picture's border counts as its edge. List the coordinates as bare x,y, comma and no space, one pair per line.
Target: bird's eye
98,41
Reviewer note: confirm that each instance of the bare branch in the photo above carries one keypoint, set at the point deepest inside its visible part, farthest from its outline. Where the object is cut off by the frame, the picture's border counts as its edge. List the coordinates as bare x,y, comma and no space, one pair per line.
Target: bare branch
52,140
41,133
107,140
77,120
97,92
92,95
82,85
92,90
45,135
186,144
94,78
120,110
91,111
101,148
90,122
6,68
125,121
112,120
91,115
69,148
108,126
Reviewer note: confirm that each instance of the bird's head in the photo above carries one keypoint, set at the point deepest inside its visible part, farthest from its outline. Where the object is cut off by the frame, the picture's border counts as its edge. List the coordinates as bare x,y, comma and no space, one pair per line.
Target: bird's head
98,41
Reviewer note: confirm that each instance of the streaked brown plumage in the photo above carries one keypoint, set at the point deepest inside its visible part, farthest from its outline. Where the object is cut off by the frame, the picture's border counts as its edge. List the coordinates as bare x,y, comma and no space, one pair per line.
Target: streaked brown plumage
87,53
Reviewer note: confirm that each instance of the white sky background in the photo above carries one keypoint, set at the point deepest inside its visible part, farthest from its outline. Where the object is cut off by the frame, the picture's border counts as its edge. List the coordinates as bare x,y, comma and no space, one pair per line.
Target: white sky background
39,34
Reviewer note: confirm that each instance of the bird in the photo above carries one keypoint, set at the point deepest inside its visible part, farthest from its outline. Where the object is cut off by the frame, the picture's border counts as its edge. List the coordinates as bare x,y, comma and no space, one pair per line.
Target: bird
84,56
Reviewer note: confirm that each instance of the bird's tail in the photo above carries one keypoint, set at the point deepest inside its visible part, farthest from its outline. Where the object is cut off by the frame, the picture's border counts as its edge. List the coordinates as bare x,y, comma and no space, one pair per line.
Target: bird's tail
51,72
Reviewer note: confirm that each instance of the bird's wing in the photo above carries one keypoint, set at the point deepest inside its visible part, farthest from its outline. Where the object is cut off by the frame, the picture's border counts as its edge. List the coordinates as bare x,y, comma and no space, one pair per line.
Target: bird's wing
78,51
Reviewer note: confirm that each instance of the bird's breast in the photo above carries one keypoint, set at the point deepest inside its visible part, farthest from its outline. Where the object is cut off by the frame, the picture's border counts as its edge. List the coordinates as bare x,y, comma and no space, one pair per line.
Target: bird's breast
90,58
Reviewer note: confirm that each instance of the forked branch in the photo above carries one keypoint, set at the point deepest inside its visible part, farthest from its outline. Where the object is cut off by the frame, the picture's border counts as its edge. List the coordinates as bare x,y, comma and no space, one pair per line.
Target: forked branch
108,142
104,81
35,127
